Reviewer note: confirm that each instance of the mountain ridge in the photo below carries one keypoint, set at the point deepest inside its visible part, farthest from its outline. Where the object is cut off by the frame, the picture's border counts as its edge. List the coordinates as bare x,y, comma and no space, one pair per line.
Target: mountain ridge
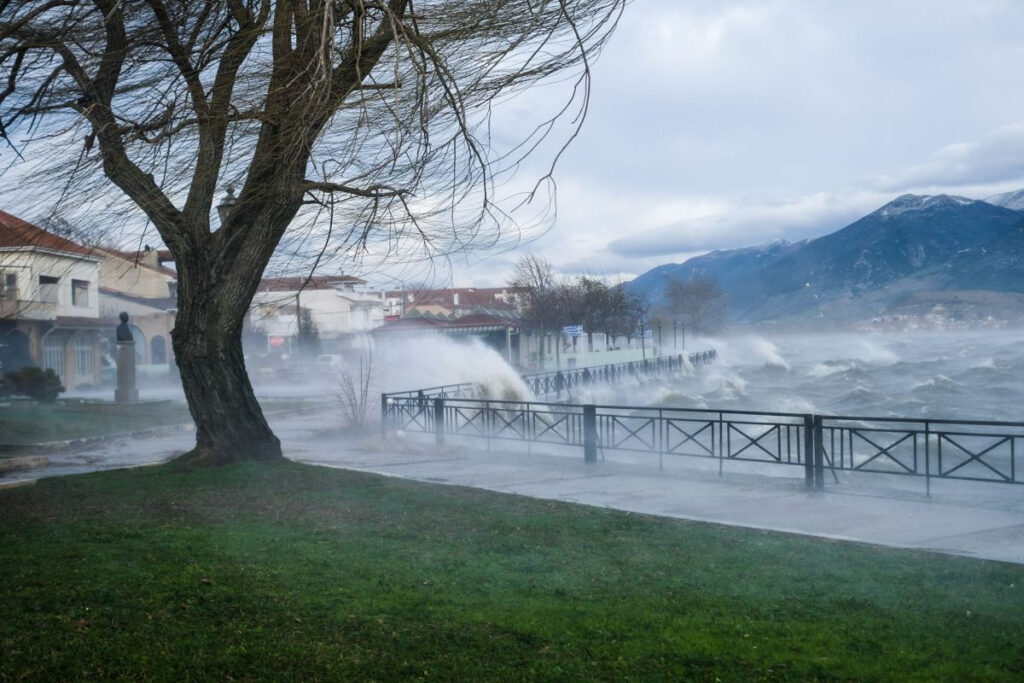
943,244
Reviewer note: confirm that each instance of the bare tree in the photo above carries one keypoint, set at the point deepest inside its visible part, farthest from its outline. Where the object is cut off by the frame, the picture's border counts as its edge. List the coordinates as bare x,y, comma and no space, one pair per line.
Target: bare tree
356,390
538,293
535,287
374,113
700,302
616,321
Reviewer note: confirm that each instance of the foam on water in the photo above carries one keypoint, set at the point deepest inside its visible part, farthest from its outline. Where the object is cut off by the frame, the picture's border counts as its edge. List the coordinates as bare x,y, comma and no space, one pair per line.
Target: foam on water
829,367
975,375
746,350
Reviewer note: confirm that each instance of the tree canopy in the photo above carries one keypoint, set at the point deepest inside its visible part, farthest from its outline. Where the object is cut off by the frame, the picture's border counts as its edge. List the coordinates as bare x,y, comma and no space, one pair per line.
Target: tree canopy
375,114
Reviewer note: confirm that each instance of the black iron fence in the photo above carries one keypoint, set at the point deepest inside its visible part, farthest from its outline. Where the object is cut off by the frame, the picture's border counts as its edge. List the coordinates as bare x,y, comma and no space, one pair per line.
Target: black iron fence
933,449
564,381
561,382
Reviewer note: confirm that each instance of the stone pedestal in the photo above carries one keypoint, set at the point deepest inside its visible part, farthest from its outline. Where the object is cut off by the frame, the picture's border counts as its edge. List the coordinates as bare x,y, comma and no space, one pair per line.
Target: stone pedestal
126,391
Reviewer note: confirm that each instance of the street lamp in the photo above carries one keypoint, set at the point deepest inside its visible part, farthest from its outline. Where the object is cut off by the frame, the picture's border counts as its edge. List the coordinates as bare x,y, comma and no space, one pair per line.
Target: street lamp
643,338
226,205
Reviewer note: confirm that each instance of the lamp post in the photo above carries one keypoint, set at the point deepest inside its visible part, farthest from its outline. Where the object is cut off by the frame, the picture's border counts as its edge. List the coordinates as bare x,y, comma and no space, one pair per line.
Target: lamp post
643,338
226,205
675,337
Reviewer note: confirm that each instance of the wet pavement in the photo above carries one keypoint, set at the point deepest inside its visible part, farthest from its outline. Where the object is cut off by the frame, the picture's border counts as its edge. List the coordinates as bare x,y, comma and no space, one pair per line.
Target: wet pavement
984,520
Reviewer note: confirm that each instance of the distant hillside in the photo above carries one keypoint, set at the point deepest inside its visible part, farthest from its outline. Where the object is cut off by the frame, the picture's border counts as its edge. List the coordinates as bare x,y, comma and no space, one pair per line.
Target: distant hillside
1008,200
941,250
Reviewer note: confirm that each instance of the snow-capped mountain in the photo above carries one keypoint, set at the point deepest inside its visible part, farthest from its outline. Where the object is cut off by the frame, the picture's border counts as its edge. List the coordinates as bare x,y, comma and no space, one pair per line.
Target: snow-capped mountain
913,244
1008,200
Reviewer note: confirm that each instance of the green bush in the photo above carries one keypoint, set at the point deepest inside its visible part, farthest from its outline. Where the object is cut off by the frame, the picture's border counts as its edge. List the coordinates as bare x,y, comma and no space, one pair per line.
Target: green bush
33,382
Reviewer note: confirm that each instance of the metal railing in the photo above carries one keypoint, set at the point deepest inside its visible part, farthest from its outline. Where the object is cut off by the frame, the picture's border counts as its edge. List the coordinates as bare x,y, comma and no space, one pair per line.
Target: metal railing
557,382
932,449
564,381
974,450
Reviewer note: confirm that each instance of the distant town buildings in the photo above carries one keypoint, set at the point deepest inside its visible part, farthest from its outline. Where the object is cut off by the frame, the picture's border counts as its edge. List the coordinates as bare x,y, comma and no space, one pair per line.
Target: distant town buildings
489,314
342,308
59,302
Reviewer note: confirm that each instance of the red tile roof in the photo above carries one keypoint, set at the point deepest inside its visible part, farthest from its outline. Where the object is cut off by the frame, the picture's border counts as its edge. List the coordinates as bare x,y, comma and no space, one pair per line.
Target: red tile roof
14,232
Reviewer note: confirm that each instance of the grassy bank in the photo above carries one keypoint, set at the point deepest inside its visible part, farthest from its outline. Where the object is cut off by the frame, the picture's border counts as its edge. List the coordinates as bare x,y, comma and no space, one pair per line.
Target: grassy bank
25,422
295,572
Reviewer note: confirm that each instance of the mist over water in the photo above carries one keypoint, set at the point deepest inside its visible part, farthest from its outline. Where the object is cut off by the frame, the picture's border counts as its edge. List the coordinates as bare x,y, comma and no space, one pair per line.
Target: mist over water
953,374
956,375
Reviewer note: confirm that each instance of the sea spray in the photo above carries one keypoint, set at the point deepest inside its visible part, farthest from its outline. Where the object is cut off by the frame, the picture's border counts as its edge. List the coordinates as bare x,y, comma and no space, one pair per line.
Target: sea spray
432,360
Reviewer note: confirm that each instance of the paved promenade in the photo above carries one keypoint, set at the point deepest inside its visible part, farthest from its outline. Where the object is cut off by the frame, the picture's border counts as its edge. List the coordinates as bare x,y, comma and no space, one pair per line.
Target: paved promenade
963,518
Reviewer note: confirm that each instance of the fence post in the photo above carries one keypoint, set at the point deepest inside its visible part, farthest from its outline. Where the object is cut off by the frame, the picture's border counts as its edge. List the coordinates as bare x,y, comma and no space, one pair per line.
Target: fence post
928,459
439,421
589,433
809,451
383,416
819,454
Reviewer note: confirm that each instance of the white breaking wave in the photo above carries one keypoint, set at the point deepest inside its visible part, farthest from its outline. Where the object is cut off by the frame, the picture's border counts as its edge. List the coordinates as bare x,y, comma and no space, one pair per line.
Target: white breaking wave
434,360
747,351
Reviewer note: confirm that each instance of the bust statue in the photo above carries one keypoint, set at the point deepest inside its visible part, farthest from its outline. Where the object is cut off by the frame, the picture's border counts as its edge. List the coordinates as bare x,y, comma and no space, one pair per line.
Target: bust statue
124,331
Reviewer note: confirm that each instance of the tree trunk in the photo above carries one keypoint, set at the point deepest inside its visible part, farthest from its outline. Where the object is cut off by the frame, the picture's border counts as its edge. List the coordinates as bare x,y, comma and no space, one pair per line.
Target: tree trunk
207,338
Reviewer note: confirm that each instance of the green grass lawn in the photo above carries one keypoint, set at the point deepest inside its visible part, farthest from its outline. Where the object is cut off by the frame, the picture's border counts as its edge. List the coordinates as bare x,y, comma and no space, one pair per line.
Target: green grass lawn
294,572
25,422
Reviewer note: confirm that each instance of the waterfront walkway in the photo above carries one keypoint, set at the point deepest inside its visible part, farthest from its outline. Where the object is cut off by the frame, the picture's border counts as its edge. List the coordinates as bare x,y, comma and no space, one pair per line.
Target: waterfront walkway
963,518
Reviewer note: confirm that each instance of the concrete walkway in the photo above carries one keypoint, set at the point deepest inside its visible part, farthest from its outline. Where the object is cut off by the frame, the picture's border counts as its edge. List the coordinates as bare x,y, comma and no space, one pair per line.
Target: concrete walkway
963,518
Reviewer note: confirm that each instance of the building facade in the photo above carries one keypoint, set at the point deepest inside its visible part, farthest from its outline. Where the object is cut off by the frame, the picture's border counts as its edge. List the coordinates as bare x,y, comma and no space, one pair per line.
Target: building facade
49,304
341,307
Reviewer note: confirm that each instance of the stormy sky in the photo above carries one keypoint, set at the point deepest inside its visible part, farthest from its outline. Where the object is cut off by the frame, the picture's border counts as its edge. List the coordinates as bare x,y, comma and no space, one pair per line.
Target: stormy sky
716,124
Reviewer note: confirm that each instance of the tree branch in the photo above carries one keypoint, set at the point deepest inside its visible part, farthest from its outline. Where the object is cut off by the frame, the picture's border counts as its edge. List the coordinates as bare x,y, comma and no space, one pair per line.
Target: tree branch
374,191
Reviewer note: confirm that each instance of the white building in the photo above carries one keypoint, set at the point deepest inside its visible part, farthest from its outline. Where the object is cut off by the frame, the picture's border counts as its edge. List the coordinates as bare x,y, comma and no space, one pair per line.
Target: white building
341,307
49,303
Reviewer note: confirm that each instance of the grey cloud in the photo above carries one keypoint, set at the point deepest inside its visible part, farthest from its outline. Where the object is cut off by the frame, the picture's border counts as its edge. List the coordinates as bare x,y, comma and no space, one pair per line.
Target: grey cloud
749,225
997,157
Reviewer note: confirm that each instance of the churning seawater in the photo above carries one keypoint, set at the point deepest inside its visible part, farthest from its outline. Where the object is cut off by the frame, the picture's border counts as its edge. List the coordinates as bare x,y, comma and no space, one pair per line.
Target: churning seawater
955,375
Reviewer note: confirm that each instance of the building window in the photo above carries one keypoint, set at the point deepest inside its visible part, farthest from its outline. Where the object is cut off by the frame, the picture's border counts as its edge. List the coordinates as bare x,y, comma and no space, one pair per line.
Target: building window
85,353
48,289
79,292
8,285
53,353
158,351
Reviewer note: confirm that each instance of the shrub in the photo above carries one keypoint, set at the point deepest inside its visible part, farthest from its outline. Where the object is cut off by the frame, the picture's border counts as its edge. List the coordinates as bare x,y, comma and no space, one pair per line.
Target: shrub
33,382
